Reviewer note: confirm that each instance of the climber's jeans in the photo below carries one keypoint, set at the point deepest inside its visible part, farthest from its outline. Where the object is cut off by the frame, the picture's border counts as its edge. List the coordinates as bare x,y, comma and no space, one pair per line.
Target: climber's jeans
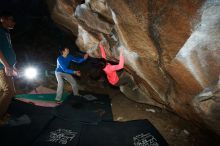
7,91
60,79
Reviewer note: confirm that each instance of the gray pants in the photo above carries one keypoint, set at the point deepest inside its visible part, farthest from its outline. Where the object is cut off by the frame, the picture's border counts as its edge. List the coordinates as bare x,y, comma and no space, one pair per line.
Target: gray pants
60,76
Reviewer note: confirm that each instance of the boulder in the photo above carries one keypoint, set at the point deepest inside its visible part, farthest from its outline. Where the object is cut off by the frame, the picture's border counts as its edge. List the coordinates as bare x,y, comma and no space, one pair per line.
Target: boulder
171,49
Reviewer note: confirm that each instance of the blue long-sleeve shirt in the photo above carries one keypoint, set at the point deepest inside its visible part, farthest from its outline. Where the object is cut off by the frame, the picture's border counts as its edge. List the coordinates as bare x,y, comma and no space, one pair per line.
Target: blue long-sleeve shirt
6,47
63,63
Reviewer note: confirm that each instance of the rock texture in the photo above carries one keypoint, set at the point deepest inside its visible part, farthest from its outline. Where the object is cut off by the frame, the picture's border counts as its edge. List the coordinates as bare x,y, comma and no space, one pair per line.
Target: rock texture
207,105
171,48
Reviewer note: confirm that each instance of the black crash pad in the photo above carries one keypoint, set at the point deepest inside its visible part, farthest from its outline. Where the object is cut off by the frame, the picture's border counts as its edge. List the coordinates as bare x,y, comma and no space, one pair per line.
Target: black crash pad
131,133
24,134
77,108
60,132
78,121
19,107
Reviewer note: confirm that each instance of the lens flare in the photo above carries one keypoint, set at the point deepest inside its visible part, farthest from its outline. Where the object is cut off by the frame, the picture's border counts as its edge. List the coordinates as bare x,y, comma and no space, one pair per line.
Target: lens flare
30,73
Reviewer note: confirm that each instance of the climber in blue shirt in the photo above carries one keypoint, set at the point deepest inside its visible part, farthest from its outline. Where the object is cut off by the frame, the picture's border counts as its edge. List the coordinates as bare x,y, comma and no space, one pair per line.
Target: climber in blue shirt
63,72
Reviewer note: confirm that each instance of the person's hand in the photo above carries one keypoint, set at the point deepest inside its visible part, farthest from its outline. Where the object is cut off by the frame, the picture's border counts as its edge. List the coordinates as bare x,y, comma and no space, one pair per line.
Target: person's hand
86,56
14,72
77,73
8,71
121,50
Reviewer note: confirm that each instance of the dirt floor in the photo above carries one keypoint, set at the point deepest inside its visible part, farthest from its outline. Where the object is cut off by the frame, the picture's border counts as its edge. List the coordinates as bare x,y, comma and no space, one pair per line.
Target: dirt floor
176,131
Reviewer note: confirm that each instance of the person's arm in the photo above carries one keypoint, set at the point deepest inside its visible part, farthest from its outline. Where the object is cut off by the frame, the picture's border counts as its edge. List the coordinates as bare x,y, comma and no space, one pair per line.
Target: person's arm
7,68
120,64
2,57
3,60
15,70
79,59
102,50
64,68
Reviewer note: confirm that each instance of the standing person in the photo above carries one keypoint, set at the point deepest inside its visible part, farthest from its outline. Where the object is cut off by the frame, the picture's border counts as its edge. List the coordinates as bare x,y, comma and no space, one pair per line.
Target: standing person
7,61
63,72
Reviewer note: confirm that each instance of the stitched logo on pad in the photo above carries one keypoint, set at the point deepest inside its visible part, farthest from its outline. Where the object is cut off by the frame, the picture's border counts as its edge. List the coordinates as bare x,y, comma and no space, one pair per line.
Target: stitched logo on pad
145,140
62,136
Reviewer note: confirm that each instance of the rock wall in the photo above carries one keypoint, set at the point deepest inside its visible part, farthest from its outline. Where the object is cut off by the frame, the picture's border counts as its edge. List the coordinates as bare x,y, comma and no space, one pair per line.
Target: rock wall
171,48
